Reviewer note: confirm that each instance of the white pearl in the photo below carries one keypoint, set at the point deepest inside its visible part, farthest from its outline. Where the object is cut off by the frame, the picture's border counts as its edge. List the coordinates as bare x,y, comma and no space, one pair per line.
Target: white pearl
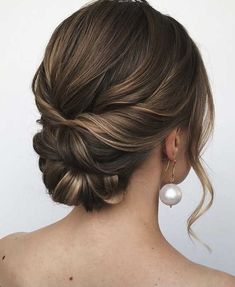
170,194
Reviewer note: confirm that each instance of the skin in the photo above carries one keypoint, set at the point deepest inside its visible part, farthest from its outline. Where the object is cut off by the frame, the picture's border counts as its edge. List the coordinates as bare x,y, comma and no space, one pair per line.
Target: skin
121,244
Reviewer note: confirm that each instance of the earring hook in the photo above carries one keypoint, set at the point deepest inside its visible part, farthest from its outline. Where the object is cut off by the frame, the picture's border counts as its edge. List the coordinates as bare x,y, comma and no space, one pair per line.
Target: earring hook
173,171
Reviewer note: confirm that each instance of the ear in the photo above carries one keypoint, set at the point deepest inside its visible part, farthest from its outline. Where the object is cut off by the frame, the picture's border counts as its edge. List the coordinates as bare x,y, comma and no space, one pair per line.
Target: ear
171,144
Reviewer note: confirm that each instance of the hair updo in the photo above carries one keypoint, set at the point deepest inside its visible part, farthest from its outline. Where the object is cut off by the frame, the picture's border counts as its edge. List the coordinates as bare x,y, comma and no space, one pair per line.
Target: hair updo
116,78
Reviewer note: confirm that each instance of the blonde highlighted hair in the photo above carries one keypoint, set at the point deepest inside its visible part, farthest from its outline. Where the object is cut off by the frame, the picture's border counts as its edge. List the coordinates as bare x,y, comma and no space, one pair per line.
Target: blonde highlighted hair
116,78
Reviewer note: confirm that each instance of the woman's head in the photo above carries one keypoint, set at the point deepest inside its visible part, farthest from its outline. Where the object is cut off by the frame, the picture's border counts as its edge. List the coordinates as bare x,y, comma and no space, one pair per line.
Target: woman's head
117,79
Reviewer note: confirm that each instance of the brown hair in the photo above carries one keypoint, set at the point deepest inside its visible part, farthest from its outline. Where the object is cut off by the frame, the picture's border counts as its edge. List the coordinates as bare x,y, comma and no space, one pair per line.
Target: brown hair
115,79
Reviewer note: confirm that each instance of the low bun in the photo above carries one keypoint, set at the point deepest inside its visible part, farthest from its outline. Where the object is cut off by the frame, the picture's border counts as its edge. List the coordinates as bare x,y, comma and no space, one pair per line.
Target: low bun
70,173
72,187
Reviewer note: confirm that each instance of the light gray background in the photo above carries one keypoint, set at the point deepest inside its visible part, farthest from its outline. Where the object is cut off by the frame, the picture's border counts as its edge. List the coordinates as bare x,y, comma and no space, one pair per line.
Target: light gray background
25,29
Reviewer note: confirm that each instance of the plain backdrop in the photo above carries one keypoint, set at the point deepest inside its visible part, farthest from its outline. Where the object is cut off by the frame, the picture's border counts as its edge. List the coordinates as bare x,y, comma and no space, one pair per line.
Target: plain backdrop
25,29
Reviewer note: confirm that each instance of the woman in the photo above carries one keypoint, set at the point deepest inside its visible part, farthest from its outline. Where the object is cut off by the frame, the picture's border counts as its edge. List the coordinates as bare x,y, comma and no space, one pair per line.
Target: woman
126,108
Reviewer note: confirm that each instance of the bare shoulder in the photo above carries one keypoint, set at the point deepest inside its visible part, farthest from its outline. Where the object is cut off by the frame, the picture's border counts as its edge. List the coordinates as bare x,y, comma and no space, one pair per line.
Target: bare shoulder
12,236
10,262
213,277
24,255
9,242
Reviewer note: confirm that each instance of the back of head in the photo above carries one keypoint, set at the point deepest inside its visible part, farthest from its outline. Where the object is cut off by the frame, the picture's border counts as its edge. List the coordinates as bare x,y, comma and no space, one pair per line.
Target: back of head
116,77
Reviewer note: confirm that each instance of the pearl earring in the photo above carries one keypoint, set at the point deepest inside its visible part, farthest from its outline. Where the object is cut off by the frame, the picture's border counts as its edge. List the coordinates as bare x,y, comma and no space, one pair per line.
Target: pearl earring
170,193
